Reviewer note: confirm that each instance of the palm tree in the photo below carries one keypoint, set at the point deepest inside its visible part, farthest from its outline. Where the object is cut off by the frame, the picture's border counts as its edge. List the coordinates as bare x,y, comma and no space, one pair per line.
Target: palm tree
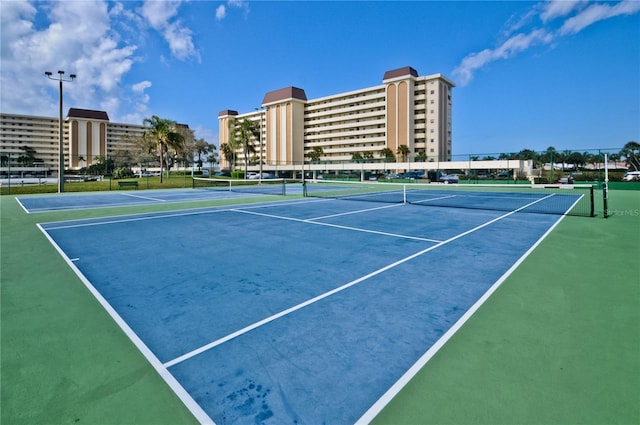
315,154
212,158
387,154
165,135
229,154
631,152
201,147
242,135
403,152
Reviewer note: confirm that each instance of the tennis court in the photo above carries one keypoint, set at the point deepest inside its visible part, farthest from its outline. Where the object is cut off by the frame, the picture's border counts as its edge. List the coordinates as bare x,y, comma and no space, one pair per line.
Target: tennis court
213,190
313,310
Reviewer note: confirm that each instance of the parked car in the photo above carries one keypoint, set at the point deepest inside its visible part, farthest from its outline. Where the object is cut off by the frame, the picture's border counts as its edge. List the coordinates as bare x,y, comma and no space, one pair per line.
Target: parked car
256,176
449,178
414,175
503,175
223,173
631,176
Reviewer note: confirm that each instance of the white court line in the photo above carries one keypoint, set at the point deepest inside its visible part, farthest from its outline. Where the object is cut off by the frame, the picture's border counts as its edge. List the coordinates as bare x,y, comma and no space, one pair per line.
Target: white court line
356,229
290,310
173,383
144,197
20,203
132,219
433,199
159,215
382,402
354,212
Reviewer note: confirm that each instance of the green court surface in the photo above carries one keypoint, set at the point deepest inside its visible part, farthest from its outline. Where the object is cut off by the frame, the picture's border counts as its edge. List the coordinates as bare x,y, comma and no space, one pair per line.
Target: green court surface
558,342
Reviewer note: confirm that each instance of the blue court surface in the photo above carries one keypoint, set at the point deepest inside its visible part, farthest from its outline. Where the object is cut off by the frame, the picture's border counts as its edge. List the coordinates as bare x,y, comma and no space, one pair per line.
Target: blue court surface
87,200
306,311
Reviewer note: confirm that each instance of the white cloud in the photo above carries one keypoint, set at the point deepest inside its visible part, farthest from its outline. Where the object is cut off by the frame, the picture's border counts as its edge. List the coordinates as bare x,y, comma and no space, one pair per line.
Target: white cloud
598,12
75,37
558,8
578,14
221,12
160,15
141,86
206,133
463,73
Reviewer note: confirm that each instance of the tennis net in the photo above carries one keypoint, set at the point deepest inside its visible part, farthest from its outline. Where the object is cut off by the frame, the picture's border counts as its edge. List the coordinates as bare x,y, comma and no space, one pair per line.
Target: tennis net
545,199
264,187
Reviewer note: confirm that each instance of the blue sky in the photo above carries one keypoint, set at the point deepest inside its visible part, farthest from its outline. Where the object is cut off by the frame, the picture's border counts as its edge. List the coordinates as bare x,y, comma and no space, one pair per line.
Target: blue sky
528,74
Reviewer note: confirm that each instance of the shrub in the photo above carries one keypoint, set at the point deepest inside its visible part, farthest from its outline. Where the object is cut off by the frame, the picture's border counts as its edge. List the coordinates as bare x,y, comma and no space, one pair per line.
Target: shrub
122,173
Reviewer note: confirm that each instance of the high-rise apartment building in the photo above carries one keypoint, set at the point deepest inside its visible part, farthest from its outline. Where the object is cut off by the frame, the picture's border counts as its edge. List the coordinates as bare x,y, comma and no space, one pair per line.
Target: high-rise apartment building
406,110
30,143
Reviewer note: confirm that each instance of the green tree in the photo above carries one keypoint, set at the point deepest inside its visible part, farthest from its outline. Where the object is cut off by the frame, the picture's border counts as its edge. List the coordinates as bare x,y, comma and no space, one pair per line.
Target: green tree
403,152
368,155
576,159
28,157
421,157
315,154
631,153
229,154
357,157
387,154
201,148
242,135
165,135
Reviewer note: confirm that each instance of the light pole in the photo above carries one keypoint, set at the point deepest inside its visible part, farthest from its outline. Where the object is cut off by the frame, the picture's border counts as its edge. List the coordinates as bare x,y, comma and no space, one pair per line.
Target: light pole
260,140
60,78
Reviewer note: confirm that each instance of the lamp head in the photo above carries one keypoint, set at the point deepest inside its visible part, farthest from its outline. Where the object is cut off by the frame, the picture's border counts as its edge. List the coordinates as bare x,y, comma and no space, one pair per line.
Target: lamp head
61,73
73,76
48,73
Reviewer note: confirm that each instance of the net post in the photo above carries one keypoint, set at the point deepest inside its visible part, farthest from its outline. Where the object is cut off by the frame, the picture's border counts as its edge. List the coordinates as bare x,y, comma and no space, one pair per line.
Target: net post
592,212
605,199
404,193
605,187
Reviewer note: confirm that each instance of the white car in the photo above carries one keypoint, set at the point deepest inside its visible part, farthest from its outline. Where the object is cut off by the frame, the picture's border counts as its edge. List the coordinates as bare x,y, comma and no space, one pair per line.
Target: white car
449,178
256,176
631,176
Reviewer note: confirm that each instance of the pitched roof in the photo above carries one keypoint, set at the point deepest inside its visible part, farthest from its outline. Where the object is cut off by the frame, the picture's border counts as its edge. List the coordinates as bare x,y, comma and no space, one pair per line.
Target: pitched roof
284,94
227,112
400,72
87,114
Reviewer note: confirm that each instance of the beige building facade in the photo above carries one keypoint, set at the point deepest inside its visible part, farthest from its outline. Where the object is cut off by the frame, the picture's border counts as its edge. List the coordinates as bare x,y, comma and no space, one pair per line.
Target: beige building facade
87,134
405,110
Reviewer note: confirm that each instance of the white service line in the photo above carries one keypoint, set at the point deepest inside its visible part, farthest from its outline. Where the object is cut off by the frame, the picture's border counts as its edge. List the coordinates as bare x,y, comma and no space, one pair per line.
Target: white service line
144,197
173,383
355,212
297,307
319,223
382,402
